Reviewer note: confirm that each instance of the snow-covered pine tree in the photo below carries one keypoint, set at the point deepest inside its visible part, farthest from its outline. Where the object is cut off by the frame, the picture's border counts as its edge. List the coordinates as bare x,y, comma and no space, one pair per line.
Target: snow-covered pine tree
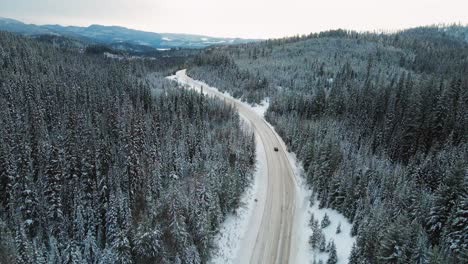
422,249
322,243
316,236
338,228
332,256
122,249
455,235
147,244
354,256
325,221
52,192
24,250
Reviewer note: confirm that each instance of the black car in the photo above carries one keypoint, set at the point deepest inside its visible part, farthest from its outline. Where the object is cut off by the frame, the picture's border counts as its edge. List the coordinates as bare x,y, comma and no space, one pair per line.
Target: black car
276,149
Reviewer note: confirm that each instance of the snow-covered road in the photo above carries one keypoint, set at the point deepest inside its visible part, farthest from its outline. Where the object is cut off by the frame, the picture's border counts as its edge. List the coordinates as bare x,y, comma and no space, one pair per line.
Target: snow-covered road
273,236
273,224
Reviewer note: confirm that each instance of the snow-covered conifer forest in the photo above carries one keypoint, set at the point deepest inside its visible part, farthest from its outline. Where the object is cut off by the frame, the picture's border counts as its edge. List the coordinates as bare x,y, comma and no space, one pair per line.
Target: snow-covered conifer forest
380,123
100,163
104,160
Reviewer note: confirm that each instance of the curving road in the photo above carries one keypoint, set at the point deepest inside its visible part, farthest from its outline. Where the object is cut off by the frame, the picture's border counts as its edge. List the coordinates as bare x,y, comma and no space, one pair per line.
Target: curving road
274,235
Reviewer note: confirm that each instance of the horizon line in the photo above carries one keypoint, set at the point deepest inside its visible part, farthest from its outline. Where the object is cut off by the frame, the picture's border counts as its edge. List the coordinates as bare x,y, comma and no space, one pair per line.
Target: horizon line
373,31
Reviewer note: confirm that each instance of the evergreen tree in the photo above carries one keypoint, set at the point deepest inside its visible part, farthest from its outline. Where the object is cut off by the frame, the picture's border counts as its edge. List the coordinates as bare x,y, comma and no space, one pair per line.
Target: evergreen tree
322,244
456,232
91,251
325,221
24,251
354,256
392,249
53,189
332,257
316,236
338,228
147,244
422,250
122,249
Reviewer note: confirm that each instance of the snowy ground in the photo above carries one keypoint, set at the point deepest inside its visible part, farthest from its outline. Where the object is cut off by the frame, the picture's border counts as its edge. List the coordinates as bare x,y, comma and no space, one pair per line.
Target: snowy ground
343,241
234,230
261,108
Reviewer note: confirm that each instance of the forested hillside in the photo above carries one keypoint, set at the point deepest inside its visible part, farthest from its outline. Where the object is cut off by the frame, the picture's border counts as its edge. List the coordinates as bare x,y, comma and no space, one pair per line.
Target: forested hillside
101,164
380,123
120,38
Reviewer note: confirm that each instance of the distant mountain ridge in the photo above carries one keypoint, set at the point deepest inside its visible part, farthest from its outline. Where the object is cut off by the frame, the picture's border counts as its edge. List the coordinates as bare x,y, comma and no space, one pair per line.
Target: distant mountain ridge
115,35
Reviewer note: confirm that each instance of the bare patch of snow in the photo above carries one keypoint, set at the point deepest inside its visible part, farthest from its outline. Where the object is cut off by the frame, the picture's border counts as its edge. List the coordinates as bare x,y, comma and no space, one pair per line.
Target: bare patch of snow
343,241
113,56
166,39
261,108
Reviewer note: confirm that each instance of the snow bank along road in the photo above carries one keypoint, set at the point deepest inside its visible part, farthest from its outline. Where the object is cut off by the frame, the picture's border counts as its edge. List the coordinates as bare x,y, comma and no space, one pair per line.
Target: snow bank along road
274,236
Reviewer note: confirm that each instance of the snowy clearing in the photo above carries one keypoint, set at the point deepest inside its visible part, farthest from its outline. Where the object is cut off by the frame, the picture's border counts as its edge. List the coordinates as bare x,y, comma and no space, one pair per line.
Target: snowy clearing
113,56
261,108
343,241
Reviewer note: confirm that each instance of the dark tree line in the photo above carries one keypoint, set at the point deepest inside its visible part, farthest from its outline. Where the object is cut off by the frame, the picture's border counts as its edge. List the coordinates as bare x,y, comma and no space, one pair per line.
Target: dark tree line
101,164
380,122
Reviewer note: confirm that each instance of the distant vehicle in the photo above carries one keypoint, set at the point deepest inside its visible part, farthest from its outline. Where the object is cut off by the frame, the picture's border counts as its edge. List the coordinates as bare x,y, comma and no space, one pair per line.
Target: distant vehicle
276,149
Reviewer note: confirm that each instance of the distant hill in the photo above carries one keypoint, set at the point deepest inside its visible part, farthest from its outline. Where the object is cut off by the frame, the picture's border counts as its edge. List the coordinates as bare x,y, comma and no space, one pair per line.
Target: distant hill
439,33
457,31
116,36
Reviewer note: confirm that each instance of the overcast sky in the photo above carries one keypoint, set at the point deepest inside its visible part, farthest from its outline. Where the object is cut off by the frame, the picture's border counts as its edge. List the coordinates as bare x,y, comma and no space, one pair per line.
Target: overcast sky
239,18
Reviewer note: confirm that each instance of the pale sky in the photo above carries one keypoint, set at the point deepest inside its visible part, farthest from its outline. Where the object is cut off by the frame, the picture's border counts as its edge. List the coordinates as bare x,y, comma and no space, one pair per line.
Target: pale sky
239,18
